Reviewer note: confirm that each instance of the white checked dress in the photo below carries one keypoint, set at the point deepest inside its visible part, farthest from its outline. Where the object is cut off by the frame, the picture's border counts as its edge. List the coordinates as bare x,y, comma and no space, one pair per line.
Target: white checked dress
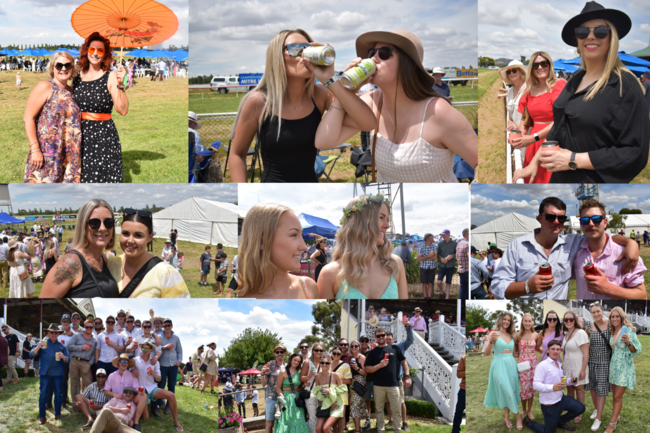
599,358
417,161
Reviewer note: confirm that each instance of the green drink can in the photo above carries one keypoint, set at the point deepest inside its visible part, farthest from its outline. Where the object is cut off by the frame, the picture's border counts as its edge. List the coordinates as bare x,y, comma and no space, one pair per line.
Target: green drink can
353,77
321,56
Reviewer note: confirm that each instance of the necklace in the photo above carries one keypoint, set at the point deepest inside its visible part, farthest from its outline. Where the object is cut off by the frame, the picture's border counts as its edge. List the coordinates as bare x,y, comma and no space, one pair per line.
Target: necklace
397,118
301,99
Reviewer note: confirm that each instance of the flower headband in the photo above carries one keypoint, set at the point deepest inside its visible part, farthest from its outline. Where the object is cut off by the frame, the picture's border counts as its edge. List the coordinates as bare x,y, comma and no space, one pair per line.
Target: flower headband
363,201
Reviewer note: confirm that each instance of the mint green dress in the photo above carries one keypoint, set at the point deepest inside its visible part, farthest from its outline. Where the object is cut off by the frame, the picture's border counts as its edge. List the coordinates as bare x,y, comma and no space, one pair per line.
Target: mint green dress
503,384
292,419
621,366
352,293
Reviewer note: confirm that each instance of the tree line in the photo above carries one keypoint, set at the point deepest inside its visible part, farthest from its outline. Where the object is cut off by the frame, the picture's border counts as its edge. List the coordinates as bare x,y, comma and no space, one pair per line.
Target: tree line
68,210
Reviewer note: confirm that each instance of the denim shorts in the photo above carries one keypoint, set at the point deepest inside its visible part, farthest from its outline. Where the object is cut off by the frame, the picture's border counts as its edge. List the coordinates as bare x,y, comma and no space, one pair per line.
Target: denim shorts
445,272
270,409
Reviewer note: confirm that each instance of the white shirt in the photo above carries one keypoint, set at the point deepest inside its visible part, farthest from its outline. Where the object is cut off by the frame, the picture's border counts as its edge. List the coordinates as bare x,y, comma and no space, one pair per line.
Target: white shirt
547,374
234,267
256,397
107,353
134,334
64,338
165,252
144,379
141,339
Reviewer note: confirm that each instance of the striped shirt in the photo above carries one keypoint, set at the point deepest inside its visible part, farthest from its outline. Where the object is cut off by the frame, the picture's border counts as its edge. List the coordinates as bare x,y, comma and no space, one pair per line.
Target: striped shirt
95,394
462,255
163,281
424,251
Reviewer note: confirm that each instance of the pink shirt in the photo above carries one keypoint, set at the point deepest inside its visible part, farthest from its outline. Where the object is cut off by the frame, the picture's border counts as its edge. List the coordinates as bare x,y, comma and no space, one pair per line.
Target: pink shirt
121,404
547,374
116,382
605,262
418,325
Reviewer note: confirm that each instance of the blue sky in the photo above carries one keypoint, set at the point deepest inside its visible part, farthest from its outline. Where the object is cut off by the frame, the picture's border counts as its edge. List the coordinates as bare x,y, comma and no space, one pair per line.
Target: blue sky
228,37
49,196
194,320
520,28
290,319
48,21
492,201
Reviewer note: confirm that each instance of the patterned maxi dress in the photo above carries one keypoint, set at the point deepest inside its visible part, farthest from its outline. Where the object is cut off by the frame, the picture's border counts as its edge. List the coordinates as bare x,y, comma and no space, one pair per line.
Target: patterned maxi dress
358,408
292,420
101,150
58,130
527,353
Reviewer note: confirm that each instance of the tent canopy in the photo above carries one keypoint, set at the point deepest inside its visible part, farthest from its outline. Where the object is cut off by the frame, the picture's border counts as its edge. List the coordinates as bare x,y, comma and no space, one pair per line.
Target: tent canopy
199,220
5,218
250,371
314,224
642,53
503,230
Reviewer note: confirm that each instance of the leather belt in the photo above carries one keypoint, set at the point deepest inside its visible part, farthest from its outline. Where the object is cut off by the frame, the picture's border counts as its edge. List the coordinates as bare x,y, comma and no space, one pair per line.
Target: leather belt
536,123
80,359
96,116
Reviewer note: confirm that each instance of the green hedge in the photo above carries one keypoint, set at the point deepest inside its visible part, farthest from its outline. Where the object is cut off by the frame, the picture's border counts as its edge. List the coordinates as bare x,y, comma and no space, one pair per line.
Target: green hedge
417,408
413,270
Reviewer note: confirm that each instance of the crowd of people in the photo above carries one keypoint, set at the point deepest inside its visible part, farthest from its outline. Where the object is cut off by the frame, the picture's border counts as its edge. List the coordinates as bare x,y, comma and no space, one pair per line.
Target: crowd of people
597,118
576,354
116,371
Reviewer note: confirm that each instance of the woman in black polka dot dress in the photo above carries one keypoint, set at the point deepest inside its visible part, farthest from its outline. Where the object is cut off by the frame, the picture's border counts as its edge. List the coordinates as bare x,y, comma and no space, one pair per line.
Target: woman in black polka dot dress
96,91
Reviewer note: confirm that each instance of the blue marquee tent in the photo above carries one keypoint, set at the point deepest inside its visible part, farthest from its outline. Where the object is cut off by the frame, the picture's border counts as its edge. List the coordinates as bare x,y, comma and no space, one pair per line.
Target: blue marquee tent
320,226
5,218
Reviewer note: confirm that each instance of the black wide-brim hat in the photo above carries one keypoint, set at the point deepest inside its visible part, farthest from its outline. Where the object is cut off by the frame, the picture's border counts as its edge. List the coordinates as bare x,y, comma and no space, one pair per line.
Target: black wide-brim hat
593,11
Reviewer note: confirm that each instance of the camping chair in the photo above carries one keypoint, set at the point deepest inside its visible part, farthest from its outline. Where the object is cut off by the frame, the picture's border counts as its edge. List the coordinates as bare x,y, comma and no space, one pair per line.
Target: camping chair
198,170
254,152
331,159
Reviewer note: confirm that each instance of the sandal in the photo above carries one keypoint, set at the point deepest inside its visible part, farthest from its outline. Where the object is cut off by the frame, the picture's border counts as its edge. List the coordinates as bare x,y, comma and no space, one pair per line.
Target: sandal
178,427
212,392
530,415
577,419
202,392
519,424
508,423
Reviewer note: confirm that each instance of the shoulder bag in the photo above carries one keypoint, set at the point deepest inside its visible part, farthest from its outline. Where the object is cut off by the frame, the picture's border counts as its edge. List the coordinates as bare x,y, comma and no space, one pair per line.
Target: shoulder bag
611,351
358,387
139,276
305,394
324,413
374,140
300,401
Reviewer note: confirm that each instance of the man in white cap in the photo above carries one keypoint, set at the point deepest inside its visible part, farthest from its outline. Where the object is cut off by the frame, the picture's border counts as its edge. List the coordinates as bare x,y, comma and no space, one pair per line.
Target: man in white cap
167,251
93,393
440,86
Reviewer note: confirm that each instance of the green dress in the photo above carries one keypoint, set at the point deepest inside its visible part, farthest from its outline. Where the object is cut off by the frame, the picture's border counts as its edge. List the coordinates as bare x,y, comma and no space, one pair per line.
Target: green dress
338,394
503,384
292,419
621,367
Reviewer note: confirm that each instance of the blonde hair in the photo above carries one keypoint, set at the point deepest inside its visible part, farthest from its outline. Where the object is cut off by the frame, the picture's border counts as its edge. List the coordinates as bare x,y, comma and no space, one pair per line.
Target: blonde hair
53,59
522,330
613,65
354,243
273,84
256,271
624,321
83,216
511,328
31,247
532,79
48,246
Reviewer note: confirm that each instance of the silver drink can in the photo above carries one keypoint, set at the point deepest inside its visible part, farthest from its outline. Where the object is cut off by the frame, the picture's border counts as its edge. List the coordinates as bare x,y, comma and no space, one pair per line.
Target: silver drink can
355,76
322,56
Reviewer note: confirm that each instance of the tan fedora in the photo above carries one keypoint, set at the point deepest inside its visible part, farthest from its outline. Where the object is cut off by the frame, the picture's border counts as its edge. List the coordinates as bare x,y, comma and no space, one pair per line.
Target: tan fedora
125,357
516,64
374,320
403,39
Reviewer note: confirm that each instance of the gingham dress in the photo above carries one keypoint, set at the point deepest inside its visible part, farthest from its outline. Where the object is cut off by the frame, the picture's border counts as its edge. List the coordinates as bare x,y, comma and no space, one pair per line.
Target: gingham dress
417,161
598,361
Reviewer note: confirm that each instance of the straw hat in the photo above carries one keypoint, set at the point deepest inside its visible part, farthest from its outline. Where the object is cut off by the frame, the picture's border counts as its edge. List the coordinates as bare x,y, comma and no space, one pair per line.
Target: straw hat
593,11
53,328
13,243
516,64
148,342
403,39
125,356
373,321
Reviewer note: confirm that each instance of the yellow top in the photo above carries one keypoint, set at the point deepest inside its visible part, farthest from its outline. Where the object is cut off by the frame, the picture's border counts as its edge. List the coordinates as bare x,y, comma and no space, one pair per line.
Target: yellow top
163,281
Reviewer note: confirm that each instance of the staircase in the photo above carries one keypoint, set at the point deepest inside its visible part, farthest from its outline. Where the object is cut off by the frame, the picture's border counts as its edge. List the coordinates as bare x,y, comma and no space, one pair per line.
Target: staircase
445,354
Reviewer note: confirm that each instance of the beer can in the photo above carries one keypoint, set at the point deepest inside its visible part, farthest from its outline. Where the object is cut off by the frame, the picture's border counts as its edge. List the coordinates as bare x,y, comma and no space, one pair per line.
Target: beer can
545,269
354,361
355,76
322,56
386,355
45,343
590,269
563,379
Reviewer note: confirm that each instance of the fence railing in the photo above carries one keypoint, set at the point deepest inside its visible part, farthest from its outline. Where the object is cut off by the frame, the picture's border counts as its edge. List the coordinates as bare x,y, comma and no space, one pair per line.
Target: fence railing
442,334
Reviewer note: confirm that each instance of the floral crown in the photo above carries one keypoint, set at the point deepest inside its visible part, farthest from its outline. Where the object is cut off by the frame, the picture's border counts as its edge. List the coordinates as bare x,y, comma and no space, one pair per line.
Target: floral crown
359,205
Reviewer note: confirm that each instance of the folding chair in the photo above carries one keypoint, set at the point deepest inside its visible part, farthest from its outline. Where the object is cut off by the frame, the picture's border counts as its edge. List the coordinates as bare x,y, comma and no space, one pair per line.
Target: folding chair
331,160
197,170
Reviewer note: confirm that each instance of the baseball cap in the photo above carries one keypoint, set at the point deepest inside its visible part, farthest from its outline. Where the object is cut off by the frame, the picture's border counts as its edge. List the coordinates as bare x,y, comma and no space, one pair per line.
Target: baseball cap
473,250
100,371
65,316
76,314
646,74
445,232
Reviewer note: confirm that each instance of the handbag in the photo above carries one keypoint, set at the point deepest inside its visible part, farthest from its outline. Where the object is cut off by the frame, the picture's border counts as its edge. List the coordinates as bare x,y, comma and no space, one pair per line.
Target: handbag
528,121
358,387
203,367
300,401
305,394
324,413
523,366
23,276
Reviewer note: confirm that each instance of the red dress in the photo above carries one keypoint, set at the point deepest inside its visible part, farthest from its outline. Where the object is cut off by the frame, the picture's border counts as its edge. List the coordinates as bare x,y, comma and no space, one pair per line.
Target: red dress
527,353
540,109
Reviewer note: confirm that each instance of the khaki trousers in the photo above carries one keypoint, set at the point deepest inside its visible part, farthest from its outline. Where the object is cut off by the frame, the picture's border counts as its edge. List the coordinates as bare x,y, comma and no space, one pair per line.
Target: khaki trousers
4,274
421,334
12,374
79,369
108,422
390,394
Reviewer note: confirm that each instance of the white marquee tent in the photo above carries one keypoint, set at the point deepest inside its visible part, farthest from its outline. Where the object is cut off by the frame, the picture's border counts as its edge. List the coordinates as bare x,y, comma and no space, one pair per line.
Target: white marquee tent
503,230
199,220
638,223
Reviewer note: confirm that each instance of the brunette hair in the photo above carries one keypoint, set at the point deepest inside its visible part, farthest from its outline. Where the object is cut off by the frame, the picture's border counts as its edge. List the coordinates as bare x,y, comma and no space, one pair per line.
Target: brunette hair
137,218
576,323
545,325
413,79
553,343
591,202
107,60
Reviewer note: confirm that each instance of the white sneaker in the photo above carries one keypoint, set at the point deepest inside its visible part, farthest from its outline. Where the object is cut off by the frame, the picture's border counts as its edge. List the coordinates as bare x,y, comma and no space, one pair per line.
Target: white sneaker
596,425
594,415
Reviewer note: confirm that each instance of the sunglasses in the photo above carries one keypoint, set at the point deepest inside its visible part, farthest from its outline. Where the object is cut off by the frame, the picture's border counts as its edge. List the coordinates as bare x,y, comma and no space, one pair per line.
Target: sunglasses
98,323
142,213
157,323
129,321
568,320
304,347
552,319
128,393
600,32
93,50
95,223
354,346
123,361
279,352
596,219
551,217
325,363
121,315
145,348
380,335
384,52
296,49
542,64
167,326
511,71
66,66
109,322
318,350
343,344
336,354
146,326
101,377
90,327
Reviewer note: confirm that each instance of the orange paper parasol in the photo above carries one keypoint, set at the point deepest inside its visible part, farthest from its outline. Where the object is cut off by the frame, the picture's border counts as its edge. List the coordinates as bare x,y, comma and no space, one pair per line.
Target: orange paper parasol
125,23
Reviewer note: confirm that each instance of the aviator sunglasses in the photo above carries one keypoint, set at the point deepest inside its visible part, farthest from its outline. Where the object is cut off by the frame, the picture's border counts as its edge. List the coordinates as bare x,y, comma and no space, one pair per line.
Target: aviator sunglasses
95,223
99,51
66,66
600,32
596,219
296,49
551,217
384,52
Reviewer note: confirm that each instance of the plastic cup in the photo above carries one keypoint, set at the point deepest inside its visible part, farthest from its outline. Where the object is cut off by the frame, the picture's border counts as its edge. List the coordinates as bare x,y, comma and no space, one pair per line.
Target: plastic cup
92,402
563,380
128,406
107,340
141,389
62,341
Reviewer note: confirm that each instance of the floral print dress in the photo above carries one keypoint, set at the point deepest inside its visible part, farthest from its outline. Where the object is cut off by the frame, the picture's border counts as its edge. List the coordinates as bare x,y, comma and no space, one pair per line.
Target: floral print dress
621,367
58,130
527,353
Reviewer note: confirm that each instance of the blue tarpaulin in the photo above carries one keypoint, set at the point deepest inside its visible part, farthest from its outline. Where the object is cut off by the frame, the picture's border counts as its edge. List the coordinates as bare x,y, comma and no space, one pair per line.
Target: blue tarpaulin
320,226
5,218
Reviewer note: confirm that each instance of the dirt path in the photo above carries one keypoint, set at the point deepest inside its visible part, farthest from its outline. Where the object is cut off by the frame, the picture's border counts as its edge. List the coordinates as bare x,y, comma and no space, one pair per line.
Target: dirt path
491,139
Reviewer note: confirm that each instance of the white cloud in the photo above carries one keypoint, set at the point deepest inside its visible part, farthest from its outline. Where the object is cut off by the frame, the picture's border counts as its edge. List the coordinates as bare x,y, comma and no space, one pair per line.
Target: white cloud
481,202
645,28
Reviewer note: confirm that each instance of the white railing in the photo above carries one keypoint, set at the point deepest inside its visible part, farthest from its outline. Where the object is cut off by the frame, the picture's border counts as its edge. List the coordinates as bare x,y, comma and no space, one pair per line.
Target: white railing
434,333
639,319
441,334
585,314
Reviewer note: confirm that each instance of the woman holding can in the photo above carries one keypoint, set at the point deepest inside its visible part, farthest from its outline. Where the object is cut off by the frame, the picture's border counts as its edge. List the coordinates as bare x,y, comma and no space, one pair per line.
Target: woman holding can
328,390
601,118
292,419
542,89
358,408
418,131
622,374
284,112
576,357
311,367
503,383
550,331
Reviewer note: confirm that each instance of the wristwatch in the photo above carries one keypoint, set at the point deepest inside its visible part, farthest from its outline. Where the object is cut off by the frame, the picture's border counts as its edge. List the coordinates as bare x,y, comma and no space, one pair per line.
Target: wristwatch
331,81
536,137
572,162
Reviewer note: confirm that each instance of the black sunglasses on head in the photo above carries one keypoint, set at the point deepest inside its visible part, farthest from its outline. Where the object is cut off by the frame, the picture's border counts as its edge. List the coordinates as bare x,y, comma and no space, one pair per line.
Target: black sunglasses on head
59,66
296,49
384,52
96,223
551,217
597,219
543,64
600,32
142,213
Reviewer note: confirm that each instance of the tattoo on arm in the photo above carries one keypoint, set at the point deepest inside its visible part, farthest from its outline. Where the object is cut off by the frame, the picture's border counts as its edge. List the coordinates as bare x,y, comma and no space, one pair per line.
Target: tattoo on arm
68,268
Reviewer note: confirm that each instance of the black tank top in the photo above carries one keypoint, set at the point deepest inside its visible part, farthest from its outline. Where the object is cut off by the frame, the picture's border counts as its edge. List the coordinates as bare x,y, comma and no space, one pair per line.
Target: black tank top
291,157
105,286
321,259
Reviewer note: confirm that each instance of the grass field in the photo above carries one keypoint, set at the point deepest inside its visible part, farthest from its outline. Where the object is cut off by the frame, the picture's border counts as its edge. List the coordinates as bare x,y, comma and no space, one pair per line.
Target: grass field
153,134
19,407
190,270
634,416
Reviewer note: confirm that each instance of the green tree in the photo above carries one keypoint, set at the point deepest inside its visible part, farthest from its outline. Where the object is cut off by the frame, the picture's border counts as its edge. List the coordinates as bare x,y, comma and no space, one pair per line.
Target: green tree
616,221
476,317
327,327
473,226
250,347
626,211
530,306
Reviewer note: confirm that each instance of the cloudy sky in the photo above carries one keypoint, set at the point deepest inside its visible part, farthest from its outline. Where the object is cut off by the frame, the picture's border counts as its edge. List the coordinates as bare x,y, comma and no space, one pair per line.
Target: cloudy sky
228,37
24,196
48,21
290,319
526,26
427,207
195,320
492,201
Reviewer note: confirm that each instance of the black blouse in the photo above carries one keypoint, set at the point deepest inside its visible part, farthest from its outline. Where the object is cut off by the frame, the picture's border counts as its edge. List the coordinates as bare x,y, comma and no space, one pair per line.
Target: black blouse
614,130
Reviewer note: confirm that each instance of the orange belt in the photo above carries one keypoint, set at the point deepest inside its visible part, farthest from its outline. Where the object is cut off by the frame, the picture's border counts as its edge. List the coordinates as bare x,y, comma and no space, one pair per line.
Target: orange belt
96,116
